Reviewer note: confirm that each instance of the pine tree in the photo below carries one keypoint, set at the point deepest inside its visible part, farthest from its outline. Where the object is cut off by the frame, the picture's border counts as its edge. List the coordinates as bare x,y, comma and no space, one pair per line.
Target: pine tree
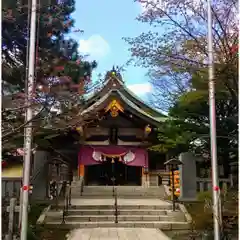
53,22
62,75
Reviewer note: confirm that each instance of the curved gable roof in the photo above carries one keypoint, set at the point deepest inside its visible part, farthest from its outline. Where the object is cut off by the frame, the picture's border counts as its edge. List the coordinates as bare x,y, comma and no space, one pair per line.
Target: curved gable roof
101,102
127,93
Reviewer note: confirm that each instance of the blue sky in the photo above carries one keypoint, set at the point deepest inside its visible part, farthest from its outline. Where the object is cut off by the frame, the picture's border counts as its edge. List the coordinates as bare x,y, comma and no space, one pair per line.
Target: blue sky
105,22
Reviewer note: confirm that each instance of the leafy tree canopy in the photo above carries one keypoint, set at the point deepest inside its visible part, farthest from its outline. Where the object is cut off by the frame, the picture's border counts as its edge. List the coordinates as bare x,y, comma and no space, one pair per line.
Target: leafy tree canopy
62,75
177,63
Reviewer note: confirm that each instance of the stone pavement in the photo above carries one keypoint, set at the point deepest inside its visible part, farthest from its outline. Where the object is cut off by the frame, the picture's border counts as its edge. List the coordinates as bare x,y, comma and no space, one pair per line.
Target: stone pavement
117,234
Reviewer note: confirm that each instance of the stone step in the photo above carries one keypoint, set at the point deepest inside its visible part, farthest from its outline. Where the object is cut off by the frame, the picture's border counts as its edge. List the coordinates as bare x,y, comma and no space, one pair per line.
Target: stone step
121,207
139,193
124,215
112,211
121,191
122,196
118,193
121,188
100,192
111,218
141,224
150,189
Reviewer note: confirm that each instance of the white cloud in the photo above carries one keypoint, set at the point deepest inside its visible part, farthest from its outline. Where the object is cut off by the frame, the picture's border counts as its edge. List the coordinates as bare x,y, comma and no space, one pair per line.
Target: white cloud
96,46
140,89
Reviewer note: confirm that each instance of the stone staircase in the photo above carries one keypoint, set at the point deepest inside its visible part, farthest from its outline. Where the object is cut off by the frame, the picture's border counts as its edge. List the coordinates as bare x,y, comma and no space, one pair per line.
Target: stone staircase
92,216
96,209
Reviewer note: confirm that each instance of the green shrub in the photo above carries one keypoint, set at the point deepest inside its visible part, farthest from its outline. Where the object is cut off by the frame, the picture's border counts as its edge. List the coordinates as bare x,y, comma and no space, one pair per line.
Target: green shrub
202,216
204,196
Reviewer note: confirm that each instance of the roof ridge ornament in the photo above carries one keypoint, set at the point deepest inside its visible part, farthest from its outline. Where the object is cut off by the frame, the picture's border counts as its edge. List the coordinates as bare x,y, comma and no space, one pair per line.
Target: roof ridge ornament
114,73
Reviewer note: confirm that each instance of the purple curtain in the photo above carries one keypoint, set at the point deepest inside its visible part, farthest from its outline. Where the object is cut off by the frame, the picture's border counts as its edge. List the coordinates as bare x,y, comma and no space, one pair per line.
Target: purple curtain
85,155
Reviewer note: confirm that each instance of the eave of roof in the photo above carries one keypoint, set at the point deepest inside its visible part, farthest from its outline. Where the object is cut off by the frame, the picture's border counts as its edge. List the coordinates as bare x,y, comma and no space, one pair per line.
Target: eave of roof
131,104
134,96
126,101
129,92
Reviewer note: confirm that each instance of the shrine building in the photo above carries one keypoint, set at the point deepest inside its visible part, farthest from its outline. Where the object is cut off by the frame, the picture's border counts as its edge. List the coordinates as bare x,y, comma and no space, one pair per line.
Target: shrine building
114,144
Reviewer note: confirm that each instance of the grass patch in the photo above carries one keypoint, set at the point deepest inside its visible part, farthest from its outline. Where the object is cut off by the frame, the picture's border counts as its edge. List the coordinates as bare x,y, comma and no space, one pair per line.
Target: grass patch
202,223
202,215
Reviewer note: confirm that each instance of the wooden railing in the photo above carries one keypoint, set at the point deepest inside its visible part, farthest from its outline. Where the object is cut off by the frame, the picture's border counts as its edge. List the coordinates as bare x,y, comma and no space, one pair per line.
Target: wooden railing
205,184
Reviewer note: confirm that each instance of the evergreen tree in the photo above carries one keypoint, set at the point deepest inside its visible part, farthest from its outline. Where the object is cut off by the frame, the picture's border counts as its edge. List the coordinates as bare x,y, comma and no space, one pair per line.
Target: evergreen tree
62,75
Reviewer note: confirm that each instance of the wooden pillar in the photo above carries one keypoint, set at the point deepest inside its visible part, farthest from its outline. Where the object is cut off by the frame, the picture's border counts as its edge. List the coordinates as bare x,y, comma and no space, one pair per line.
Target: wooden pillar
81,169
145,178
145,172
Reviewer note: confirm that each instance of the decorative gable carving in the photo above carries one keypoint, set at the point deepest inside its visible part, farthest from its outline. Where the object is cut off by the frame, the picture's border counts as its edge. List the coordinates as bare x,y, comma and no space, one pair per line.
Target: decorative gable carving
114,107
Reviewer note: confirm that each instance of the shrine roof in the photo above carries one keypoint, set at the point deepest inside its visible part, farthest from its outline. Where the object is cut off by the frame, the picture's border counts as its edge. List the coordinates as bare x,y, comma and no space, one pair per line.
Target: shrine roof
114,85
135,108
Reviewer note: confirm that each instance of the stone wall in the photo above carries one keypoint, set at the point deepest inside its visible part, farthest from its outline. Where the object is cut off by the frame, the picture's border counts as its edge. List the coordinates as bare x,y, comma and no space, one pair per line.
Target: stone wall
188,177
40,175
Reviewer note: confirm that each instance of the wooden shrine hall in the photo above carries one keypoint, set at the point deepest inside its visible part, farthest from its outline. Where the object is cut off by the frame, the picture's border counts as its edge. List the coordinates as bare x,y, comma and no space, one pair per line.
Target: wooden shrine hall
115,144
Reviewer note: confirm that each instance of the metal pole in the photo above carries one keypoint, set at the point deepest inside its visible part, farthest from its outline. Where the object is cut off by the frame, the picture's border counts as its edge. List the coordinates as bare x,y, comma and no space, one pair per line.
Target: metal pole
173,189
26,90
29,114
212,115
113,177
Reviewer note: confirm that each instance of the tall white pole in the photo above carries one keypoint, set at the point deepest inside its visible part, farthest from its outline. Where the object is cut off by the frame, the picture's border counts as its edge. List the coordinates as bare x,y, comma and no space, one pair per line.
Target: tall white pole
28,130
213,135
